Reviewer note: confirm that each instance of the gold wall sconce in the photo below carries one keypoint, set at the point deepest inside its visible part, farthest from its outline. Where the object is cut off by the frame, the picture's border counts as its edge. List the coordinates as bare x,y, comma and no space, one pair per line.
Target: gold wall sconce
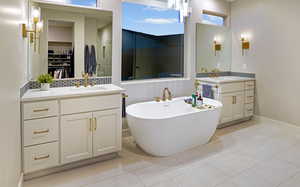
34,28
245,43
217,45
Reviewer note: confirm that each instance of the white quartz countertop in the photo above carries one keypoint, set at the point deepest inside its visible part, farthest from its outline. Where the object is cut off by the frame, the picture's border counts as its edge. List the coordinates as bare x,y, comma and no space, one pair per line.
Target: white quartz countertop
66,92
225,79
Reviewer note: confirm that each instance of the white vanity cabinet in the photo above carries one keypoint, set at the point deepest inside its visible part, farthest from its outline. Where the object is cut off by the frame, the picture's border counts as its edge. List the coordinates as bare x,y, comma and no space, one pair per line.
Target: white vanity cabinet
237,96
89,135
61,129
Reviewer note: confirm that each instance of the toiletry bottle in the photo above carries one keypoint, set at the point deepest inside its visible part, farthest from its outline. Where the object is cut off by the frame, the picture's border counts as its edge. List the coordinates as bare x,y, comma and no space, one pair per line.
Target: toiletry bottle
199,100
194,103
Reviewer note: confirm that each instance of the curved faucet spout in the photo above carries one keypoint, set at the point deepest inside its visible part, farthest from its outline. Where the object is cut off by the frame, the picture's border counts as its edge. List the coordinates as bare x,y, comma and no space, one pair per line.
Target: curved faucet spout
167,95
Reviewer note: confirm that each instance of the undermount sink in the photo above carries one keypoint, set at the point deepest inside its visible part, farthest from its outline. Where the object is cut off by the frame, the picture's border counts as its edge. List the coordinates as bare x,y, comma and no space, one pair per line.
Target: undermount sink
89,88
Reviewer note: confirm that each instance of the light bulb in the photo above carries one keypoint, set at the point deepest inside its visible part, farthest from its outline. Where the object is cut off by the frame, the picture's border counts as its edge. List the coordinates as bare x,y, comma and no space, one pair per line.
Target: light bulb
40,25
35,15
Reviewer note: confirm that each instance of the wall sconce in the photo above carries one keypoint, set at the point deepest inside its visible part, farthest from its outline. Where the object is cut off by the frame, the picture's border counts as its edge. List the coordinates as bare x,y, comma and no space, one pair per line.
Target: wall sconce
245,43
217,45
34,28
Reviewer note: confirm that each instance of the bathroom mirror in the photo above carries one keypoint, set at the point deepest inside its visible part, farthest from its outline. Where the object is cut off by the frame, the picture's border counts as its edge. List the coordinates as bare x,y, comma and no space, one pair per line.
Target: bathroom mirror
73,40
213,48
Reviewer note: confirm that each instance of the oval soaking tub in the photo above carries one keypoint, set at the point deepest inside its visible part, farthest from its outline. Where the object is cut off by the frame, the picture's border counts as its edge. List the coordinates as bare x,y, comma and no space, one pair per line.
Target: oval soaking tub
166,128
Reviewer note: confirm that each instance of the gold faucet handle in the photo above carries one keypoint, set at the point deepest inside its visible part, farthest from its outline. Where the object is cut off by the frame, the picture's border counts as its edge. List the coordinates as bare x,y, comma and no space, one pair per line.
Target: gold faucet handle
85,75
77,84
157,99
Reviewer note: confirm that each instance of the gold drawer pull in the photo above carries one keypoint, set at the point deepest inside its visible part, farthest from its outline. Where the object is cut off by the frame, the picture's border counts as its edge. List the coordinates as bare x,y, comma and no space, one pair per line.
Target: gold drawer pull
41,132
42,158
41,110
250,110
250,96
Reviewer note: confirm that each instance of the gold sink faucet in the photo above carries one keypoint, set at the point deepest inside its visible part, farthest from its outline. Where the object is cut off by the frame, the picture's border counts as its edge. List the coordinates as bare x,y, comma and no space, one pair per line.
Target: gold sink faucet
86,79
168,92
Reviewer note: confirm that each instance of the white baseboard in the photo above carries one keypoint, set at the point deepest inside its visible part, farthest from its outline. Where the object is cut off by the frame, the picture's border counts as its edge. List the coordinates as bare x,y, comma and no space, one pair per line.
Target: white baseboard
266,119
21,179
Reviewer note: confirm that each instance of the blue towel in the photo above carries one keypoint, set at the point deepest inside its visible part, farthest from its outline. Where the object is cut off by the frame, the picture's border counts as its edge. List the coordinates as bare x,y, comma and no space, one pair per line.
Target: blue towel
207,91
93,61
86,59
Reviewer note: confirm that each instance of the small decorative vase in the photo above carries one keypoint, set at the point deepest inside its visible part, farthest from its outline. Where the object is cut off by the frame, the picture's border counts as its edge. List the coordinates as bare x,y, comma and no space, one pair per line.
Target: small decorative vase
45,86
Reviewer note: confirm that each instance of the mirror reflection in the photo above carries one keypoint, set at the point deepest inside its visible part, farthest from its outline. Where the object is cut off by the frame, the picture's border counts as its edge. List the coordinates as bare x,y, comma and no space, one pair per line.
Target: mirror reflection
213,48
73,41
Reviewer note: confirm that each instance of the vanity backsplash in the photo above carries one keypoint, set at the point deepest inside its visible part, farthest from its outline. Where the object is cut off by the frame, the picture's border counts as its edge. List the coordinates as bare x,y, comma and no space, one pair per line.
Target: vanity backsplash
65,83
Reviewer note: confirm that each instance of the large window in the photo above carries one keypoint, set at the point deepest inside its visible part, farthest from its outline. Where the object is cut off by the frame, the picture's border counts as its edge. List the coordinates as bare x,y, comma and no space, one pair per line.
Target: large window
91,3
153,42
213,19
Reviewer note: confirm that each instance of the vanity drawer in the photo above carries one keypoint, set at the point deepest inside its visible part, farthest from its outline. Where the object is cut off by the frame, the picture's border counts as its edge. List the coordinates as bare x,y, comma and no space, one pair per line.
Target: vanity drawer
40,157
87,104
249,96
249,110
40,109
40,131
232,87
249,85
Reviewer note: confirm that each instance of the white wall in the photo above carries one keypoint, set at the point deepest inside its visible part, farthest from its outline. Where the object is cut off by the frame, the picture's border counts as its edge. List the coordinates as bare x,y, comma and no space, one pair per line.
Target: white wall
12,75
104,58
60,34
274,55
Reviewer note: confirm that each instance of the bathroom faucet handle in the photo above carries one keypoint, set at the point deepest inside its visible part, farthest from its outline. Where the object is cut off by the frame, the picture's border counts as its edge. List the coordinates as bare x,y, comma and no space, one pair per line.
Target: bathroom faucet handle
157,99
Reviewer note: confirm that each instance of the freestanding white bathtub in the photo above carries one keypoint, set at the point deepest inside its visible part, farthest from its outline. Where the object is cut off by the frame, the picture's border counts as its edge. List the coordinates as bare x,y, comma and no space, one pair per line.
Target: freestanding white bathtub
166,128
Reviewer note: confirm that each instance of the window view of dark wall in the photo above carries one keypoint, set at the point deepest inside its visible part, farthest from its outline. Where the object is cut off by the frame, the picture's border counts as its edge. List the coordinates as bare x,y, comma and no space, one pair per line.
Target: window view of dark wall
146,56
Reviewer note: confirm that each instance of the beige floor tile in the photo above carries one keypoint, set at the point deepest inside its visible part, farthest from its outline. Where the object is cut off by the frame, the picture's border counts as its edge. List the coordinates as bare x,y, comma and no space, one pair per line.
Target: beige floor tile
203,175
125,180
292,182
251,154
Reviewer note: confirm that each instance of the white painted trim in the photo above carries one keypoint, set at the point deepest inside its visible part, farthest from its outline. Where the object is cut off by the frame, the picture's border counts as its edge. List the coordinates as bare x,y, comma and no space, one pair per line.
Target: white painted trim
21,179
266,119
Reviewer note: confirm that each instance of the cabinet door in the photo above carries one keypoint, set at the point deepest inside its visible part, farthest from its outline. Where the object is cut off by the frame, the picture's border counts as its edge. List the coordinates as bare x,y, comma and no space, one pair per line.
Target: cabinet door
107,132
238,106
76,137
227,101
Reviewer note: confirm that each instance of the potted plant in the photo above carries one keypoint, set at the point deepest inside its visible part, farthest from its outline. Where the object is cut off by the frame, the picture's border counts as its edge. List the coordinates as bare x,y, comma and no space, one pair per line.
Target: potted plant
45,80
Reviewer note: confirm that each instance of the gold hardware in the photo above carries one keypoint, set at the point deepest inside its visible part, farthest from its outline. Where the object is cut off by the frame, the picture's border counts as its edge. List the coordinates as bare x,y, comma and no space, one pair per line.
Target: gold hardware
85,76
157,99
214,73
232,99
217,46
42,158
124,95
77,84
245,43
250,110
41,132
41,110
34,33
95,124
204,70
164,97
